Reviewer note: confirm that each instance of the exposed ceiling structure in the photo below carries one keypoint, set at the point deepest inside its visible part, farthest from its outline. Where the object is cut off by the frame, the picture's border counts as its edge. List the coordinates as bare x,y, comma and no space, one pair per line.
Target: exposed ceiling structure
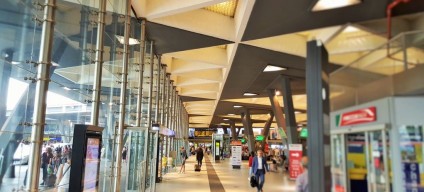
216,50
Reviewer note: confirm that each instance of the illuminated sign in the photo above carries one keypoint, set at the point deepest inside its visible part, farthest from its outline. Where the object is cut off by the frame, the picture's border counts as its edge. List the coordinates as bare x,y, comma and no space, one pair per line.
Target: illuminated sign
366,115
304,133
260,138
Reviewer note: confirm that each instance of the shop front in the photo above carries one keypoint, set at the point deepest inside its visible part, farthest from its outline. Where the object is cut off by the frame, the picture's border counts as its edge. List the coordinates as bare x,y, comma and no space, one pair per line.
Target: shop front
377,146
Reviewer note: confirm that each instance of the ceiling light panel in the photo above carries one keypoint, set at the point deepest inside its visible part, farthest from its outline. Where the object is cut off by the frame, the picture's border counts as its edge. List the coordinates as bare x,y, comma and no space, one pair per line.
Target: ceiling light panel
322,5
226,8
271,68
249,94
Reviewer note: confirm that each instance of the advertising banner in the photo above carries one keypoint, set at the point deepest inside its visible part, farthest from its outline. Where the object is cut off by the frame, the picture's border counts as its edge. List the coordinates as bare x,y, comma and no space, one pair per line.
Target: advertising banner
295,164
366,115
236,156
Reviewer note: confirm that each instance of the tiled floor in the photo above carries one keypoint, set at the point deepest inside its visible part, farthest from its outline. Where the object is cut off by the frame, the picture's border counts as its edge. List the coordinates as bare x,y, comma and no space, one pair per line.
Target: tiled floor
233,180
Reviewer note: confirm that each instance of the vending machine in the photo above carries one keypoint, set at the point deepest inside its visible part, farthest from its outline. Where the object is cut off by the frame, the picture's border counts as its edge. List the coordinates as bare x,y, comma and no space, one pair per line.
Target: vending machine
85,161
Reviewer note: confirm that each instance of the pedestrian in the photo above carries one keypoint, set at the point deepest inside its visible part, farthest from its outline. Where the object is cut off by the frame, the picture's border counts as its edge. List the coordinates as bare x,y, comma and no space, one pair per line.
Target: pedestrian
259,169
46,160
199,156
183,159
56,161
63,175
252,155
221,153
302,179
124,154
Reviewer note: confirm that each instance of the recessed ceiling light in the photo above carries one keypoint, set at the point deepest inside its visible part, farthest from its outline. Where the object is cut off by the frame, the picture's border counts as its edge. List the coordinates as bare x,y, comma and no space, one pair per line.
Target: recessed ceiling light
238,106
277,92
249,94
231,114
300,125
270,68
333,4
297,112
225,119
132,41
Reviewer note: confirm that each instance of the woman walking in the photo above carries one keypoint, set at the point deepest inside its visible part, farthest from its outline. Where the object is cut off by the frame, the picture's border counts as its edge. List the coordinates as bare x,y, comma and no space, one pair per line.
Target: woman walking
183,159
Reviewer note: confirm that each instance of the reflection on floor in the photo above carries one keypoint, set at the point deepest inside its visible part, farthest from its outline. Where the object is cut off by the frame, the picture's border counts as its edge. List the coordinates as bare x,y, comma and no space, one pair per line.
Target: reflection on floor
233,180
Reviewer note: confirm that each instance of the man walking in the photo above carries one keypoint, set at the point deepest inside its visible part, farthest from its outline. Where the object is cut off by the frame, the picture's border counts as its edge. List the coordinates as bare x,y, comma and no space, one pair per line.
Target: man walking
259,169
302,179
199,156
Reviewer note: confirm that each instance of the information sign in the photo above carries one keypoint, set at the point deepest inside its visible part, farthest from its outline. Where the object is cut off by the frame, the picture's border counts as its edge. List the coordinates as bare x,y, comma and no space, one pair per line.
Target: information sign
236,156
295,156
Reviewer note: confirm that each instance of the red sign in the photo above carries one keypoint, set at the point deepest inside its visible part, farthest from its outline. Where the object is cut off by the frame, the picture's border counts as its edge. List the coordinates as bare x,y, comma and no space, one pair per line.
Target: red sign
357,117
295,157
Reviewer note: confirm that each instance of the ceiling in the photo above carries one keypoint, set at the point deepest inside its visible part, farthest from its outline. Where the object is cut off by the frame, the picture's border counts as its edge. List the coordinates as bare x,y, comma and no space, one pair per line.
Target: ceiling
216,49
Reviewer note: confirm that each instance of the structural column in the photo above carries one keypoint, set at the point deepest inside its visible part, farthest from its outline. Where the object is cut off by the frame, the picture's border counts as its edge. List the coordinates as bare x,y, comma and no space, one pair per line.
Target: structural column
317,91
248,130
233,130
289,111
43,74
98,66
123,99
267,126
279,117
140,74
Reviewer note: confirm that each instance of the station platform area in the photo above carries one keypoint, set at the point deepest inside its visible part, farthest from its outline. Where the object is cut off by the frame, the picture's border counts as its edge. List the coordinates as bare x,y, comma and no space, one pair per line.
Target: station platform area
220,177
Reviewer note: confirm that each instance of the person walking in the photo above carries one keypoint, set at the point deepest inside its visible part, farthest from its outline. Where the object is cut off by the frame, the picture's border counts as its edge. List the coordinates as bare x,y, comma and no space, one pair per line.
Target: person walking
183,159
302,179
259,169
252,155
63,175
124,155
199,156
46,160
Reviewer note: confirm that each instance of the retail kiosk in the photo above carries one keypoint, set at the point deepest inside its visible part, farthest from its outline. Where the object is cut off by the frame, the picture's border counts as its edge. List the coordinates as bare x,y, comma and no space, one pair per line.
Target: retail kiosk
377,146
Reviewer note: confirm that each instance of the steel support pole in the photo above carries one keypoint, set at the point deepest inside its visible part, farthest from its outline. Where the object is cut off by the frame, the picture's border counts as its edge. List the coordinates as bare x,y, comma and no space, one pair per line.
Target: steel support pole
167,103
163,95
289,112
124,81
158,89
171,103
43,73
98,66
140,75
317,91
233,130
149,110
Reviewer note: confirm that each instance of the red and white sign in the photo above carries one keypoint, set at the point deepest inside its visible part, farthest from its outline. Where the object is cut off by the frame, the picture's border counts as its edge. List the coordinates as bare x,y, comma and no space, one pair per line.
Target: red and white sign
295,157
366,115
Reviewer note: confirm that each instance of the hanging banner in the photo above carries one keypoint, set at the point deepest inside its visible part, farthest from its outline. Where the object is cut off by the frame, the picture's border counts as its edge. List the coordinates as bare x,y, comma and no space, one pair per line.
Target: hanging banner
295,164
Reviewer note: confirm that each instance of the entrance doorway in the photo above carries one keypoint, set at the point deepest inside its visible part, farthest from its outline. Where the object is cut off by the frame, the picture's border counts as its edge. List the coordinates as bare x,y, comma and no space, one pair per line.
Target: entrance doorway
360,159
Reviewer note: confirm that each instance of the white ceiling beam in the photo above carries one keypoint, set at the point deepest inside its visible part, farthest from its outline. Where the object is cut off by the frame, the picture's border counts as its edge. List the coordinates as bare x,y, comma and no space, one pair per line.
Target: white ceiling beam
183,66
243,11
210,55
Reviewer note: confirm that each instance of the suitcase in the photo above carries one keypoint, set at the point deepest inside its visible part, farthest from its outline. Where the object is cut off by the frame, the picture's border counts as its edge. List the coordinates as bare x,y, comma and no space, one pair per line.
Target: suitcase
197,168
51,180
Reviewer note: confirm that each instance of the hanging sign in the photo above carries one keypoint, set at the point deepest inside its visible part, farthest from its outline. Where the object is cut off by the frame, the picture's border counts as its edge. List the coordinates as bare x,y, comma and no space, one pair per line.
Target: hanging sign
295,157
366,115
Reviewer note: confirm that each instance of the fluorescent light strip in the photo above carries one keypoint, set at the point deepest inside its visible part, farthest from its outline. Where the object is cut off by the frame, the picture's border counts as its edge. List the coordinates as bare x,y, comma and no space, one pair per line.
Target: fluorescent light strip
250,94
238,106
333,4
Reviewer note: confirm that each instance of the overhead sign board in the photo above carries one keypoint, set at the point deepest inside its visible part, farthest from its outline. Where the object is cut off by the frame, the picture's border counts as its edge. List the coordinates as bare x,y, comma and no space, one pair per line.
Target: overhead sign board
260,138
304,133
360,116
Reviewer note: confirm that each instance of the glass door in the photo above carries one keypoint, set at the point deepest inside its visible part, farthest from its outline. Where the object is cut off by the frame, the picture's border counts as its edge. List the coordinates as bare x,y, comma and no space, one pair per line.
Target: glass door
151,161
137,150
338,168
378,177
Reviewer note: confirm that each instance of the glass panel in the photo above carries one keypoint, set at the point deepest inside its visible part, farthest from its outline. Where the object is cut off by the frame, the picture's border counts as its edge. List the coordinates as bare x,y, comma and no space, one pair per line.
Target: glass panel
338,163
376,161
137,159
411,146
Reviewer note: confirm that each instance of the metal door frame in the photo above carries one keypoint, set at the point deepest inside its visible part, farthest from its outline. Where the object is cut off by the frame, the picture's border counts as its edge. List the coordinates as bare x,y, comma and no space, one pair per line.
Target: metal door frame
384,129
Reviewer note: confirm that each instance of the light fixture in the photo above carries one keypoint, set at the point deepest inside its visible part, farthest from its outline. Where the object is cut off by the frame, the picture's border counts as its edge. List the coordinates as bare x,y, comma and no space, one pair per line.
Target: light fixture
349,29
132,41
249,94
297,112
66,88
271,68
226,119
277,92
110,104
300,125
238,106
231,114
333,4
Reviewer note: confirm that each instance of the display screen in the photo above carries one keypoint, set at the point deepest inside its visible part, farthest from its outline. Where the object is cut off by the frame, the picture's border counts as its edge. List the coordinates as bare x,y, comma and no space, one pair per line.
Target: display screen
92,162
304,133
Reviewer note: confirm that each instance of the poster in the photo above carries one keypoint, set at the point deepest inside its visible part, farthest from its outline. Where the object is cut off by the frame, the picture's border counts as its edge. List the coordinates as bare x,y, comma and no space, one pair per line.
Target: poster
91,164
295,156
236,155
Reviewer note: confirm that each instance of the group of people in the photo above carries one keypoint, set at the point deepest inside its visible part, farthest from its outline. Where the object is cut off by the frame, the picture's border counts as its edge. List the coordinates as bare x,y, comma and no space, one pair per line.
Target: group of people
55,167
199,152
258,167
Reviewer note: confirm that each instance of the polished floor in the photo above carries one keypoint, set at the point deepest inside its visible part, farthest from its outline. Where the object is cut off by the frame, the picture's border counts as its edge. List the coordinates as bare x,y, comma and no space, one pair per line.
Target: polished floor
228,179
